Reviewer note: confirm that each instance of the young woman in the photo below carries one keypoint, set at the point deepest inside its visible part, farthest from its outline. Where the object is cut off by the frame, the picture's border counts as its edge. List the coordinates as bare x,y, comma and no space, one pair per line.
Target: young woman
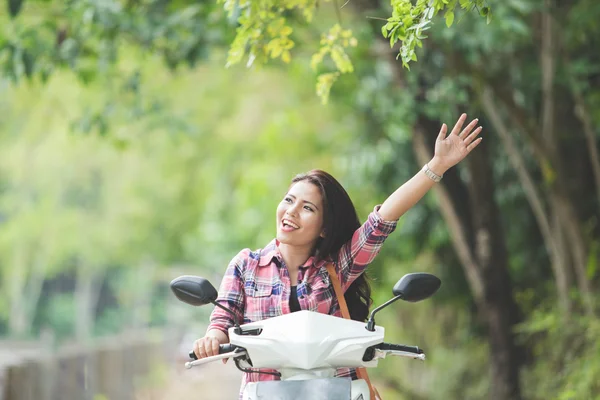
317,224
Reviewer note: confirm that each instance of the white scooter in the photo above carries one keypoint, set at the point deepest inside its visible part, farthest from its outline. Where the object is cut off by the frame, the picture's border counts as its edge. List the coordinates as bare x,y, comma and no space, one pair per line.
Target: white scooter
306,347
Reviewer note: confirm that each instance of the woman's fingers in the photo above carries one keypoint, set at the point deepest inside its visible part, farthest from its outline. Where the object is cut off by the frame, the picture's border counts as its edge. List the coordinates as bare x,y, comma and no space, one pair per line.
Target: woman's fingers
465,132
474,144
206,347
199,349
473,135
442,134
459,124
214,346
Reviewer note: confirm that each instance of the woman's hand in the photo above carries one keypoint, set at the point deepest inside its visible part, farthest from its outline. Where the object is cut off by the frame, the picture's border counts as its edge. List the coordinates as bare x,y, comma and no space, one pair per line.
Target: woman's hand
209,345
206,347
451,149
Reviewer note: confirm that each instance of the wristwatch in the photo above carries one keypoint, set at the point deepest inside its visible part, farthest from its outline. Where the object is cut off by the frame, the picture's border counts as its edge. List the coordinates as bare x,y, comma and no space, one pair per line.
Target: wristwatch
431,175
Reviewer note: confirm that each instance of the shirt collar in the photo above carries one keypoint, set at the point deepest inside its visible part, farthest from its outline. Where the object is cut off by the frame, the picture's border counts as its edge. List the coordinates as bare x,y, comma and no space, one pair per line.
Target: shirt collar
271,251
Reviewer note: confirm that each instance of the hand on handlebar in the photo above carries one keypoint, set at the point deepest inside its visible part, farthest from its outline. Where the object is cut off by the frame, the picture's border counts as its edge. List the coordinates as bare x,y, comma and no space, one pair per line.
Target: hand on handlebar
209,345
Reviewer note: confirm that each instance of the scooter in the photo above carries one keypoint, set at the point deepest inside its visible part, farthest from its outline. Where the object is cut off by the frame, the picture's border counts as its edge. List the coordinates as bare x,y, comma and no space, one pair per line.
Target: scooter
304,348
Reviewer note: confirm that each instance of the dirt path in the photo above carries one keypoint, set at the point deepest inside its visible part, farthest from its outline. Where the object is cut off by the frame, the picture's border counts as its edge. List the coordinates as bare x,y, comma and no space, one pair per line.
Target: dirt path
213,382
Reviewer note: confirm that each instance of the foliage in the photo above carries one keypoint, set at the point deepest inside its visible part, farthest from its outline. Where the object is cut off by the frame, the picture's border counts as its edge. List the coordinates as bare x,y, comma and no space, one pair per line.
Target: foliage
265,27
409,21
569,349
87,35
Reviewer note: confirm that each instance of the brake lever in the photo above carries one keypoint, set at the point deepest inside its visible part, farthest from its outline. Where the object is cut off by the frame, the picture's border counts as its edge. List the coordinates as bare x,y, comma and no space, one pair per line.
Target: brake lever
236,353
383,353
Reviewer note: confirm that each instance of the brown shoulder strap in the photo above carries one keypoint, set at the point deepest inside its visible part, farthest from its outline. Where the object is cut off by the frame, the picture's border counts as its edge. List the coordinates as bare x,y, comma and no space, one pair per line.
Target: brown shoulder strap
338,290
360,372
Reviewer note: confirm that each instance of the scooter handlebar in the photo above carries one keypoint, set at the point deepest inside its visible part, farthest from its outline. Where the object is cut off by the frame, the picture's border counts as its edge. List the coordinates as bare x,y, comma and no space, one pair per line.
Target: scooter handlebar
223,348
401,347
382,349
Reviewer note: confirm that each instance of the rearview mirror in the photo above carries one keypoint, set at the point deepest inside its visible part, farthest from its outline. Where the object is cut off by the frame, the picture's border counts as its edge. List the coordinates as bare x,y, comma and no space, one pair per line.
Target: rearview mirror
194,290
416,286
197,291
411,287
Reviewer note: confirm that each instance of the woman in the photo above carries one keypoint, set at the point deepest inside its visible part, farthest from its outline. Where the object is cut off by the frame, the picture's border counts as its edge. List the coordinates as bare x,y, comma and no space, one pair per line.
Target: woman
317,224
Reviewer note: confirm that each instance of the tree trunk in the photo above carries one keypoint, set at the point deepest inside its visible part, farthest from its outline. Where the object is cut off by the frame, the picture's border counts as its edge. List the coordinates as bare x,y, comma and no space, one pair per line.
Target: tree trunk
460,240
16,281
87,292
486,267
142,305
34,289
554,244
576,243
560,202
561,206
498,308
583,114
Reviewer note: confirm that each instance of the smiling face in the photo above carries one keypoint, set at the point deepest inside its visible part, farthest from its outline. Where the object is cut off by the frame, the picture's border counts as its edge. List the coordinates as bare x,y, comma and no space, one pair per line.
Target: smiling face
300,215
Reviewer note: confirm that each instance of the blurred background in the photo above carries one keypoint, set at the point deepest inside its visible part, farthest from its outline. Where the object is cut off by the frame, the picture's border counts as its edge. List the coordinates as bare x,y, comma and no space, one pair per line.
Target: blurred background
131,155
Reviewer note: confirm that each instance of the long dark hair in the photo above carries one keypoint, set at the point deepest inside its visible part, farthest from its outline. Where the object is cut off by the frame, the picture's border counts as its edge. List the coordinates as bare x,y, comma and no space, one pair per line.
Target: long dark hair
340,221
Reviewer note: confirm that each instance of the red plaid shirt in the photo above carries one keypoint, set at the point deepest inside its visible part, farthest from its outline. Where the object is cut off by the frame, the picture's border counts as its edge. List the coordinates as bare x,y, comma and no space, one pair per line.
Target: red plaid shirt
256,285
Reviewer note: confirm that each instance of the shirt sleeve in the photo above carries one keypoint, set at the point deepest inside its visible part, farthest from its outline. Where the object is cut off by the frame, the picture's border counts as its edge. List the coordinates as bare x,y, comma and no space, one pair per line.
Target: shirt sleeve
359,252
231,294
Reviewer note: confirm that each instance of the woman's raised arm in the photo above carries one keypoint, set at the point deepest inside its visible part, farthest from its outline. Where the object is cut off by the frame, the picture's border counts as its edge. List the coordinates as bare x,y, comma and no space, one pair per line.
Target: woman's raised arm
449,151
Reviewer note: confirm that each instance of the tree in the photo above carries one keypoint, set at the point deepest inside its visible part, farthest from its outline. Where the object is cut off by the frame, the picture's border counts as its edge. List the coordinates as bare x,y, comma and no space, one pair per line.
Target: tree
89,35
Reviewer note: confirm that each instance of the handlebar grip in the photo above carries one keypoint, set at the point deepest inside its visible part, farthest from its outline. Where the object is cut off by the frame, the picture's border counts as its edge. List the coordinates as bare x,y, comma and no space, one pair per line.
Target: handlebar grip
223,348
401,347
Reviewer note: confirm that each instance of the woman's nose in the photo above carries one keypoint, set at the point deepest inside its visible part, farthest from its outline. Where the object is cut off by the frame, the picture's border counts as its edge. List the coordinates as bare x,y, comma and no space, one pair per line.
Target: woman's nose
292,211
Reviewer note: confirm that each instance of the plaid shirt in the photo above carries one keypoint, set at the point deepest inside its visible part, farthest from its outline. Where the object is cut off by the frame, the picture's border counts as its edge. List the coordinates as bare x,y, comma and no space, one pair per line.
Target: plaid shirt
256,285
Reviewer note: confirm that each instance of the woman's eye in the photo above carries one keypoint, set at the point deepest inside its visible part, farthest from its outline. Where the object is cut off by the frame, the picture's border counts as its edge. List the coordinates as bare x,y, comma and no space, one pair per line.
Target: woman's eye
287,200
308,208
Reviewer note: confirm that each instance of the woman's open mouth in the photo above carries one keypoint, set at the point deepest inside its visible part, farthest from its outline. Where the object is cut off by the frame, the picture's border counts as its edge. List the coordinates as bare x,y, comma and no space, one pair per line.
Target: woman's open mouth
288,226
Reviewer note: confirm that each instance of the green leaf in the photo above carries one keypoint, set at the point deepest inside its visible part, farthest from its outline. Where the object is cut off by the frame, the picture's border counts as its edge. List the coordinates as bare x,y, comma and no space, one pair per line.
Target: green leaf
384,31
449,18
14,7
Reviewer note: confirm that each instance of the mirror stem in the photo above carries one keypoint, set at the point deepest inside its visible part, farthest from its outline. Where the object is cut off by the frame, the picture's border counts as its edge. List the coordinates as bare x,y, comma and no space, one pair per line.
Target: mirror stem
236,323
371,322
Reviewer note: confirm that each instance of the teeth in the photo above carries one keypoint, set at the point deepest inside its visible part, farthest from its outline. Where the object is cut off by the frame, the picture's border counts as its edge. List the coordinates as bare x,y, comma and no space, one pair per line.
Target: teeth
290,223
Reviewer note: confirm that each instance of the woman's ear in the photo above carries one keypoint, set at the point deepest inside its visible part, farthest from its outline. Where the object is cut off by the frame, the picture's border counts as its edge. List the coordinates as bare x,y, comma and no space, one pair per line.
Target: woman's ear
322,234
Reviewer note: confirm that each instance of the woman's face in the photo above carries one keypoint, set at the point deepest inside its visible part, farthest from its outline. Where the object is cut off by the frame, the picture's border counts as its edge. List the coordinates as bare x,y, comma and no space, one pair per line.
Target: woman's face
300,215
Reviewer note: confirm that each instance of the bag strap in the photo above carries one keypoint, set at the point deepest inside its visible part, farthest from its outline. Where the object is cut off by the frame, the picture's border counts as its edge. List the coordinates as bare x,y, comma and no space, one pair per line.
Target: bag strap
360,372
